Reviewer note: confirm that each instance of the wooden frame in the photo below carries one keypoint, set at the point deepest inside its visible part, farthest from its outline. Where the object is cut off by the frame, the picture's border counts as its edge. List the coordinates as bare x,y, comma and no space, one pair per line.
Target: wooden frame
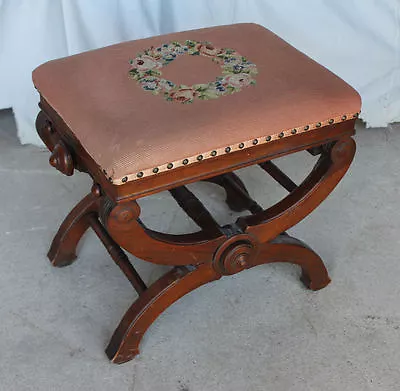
214,251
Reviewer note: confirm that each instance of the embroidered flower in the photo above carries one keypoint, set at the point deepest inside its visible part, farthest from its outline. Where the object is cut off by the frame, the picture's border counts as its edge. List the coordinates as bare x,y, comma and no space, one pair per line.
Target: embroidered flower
153,52
166,85
151,84
237,71
183,94
206,49
146,62
241,68
208,91
170,56
237,81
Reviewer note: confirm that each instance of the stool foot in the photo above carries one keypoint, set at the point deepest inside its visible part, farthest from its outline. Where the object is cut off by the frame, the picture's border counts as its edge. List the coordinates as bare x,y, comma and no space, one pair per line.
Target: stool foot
63,247
288,249
124,344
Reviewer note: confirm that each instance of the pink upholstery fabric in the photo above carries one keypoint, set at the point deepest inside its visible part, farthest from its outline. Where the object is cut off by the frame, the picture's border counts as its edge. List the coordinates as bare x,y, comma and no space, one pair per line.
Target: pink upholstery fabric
128,130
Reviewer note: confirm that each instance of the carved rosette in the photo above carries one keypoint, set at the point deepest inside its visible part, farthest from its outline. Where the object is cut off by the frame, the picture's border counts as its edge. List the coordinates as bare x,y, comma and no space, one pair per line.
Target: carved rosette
235,255
118,217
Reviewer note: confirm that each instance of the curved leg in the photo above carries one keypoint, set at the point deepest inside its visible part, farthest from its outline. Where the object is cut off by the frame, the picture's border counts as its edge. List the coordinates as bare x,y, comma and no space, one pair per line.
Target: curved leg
124,344
63,247
123,224
327,173
288,249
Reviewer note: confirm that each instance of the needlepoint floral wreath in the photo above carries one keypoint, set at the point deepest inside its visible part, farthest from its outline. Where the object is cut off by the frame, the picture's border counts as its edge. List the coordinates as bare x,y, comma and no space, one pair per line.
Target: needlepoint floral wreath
237,71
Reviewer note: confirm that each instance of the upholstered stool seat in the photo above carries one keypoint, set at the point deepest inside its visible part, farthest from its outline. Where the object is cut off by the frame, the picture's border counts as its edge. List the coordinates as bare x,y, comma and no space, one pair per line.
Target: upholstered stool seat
129,132
158,113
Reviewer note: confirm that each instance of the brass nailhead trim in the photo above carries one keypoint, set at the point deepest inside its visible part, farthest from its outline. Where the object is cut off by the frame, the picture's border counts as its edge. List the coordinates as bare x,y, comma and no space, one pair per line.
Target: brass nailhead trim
230,148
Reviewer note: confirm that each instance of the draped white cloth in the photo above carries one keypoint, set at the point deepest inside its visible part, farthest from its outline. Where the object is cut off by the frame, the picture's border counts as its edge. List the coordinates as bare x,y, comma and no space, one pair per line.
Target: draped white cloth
359,40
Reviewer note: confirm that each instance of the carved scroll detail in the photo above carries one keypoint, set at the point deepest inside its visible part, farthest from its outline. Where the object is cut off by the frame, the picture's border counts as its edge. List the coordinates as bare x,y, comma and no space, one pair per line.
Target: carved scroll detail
45,130
61,159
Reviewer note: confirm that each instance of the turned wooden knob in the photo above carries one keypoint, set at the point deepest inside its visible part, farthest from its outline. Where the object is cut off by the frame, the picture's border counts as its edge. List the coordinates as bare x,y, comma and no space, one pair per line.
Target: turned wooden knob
235,255
120,217
61,159
236,258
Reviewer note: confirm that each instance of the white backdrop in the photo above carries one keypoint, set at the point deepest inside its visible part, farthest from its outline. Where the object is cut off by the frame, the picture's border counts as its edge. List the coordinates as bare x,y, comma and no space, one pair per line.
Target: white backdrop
357,39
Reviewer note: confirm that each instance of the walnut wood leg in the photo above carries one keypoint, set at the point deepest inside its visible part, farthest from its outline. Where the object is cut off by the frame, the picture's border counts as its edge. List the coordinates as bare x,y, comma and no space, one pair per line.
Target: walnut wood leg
117,254
63,248
235,255
327,173
251,241
124,344
288,249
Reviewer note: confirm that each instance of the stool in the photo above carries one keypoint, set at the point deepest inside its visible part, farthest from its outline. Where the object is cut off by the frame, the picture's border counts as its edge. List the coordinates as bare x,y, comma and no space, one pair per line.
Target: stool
157,114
